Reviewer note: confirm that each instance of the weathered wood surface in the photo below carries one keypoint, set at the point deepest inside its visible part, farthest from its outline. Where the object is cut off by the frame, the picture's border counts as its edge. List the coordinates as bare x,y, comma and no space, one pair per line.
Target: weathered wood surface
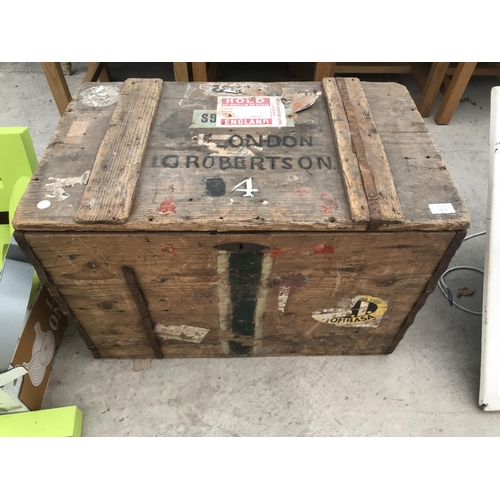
351,174
274,283
110,191
142,307
173,193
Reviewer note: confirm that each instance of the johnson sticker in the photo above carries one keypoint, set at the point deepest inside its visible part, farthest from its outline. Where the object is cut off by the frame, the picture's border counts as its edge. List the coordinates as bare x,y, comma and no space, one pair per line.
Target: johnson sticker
360,311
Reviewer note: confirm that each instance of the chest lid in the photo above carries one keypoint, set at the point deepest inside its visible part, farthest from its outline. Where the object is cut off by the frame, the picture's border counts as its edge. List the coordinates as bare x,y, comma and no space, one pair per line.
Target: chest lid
151,155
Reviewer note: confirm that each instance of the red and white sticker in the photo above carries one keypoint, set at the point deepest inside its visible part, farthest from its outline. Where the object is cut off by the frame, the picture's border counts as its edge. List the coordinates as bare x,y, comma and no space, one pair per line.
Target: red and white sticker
250,112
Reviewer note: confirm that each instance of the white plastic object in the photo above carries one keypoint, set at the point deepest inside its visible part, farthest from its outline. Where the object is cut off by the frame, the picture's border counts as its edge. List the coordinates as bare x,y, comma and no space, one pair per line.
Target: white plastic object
489,389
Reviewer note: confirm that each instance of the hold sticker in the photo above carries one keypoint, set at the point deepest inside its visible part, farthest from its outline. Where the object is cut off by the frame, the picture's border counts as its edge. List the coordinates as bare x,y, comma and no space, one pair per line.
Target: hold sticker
360,311
250,112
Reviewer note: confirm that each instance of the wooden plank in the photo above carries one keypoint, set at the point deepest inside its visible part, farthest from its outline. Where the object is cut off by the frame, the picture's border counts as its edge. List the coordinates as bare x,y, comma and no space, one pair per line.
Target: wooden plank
369,157
454,92
289,199
418,74
180,273
431,285
93,70
353,183
199,71
57,83
432,85
142,305
380,186
181,72
373,68
213,71
111,188
54,292
323,70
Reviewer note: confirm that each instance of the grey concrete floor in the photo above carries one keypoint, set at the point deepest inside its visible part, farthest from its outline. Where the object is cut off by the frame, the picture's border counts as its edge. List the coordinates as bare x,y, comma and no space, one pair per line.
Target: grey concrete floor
428,387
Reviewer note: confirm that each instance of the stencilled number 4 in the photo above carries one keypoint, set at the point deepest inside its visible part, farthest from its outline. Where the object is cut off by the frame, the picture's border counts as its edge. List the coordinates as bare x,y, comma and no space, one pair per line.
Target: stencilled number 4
248,189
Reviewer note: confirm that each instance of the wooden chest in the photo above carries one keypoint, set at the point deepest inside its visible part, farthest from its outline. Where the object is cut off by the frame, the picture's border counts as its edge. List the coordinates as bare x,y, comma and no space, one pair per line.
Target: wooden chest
241,219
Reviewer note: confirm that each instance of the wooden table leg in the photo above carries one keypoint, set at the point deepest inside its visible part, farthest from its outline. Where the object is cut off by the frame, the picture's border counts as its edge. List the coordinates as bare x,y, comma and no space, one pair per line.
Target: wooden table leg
57,84
181,73
431,88
323,70
454,92
199,71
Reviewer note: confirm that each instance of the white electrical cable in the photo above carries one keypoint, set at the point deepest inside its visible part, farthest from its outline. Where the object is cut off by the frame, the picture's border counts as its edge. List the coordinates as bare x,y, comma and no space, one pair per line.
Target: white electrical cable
446,290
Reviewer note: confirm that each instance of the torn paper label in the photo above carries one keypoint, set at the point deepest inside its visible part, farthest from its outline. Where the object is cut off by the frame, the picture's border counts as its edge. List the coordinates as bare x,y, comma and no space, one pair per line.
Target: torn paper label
360,311
187,333
208,119
441,208
250,111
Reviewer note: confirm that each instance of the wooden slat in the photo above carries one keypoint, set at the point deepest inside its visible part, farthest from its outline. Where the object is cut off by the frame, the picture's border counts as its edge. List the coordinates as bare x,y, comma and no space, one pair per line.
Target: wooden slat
454,92
142,305
181,73
366,170
432,86
323,70
373,163
109,195
199,71
57,83
353,183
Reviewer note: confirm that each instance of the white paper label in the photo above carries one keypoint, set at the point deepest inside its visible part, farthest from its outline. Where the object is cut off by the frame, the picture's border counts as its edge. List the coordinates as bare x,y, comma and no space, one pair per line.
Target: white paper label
250,112
442,208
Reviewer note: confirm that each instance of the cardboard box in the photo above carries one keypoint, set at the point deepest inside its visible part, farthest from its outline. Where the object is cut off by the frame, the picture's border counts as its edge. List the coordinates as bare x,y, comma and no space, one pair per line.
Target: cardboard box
24,385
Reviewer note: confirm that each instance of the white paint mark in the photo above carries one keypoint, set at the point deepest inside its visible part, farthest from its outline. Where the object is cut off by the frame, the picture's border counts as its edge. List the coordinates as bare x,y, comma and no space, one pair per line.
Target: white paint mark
231,201
223,291
441,208
265,202
99,96
187,333
43,204
248,190
56,189
283,297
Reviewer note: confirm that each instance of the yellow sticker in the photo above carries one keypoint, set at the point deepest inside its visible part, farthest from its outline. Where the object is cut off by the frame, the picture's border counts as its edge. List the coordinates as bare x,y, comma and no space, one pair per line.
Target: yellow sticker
360,311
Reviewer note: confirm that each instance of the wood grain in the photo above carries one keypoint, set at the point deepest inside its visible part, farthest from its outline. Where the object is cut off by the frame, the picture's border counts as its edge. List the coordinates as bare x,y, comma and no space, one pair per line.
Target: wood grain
179,280
433,83
181,72
199,71
374,166
57,83
454,92
53,290
323,70
109,195
142,306
431,285
289,199
351,174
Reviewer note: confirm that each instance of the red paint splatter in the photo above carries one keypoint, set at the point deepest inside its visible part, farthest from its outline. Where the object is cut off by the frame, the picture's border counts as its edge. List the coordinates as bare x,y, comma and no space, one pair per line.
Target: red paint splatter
329,203
301,190
167,206
170,250
324,249
281,251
